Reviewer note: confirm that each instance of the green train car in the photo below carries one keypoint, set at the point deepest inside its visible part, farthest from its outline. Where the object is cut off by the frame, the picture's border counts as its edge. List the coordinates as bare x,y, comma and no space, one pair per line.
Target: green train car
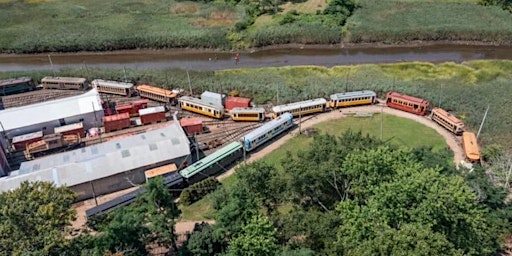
16,85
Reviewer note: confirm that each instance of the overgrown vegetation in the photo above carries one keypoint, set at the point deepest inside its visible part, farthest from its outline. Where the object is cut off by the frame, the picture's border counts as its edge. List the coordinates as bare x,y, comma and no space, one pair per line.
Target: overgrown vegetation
405,21
464,89
198,190
505,4
354,195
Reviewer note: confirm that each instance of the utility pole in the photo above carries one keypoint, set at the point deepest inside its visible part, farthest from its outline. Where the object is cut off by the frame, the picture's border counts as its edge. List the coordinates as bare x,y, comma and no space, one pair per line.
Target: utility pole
300,119
346,81
189,84
277,92
197,147
94,193
440,92
51,64
124,70
97,123
482,124
381,122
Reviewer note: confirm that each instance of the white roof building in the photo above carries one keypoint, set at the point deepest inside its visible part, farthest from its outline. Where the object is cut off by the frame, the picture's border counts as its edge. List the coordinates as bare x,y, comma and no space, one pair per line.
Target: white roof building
103,160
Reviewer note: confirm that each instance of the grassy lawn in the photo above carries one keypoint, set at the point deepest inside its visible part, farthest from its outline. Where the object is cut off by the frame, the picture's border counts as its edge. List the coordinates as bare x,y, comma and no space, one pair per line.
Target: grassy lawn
404,21
396,130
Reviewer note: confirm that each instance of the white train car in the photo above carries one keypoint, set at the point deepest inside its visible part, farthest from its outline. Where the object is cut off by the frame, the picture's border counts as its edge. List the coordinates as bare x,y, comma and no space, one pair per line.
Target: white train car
65,83
268,131
113,87
349,99
247,114
301,108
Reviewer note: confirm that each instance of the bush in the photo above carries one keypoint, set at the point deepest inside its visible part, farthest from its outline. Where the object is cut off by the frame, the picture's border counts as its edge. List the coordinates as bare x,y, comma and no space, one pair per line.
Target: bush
198,190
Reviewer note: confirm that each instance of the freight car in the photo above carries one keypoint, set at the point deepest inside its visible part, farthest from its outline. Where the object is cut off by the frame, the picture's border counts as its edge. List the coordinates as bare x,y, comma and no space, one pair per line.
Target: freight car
448,121
113,87
17,85
65,83
52,143
407,103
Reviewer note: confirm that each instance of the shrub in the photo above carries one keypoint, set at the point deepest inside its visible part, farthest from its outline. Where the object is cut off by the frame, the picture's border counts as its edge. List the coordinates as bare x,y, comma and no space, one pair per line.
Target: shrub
198,190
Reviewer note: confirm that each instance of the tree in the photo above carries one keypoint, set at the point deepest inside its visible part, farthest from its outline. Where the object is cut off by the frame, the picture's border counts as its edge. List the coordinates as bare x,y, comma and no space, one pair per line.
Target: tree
204,241
258,238
258,175
33,219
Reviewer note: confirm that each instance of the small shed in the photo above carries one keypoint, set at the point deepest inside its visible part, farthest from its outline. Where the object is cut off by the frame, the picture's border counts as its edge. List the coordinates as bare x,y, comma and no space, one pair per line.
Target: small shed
237,102
76,128
192,125
21,142
214,98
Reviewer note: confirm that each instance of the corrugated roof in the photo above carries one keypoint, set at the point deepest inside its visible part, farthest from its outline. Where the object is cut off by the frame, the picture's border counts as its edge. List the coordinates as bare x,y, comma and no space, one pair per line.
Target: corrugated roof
209,160
300,104
103,160
14,118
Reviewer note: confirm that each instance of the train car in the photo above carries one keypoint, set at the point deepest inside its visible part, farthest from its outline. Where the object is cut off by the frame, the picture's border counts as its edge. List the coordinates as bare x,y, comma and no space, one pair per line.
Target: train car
65,83
198,106
349,99
157,94
268,131
16,85
301,108
113,87
470,145
213,164
116,122
447,120
407,103
152,115
247,114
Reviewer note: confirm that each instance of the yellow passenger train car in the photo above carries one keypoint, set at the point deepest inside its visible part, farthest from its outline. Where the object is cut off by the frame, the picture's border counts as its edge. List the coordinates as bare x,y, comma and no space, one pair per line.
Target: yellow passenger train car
349,99
247,114
198,106
301,108
470,146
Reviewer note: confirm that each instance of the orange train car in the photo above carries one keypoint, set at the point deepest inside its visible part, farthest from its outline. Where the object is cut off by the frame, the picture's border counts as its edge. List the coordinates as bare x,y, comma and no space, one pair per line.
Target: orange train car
470,146
407,103
447,120
156,93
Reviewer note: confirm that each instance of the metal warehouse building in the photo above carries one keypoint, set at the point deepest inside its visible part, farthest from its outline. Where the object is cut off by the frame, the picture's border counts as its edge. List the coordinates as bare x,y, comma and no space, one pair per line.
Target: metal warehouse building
46,116
106,167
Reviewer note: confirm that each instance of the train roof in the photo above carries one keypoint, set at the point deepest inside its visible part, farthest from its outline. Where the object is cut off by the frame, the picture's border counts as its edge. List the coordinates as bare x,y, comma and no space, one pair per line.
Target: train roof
471,146
15,81
63,79
28,136
447,115
285,117
158,171
147,111
213,158
69,127
112,83
200,102
406,97
156,90
302,104
349,95
247,110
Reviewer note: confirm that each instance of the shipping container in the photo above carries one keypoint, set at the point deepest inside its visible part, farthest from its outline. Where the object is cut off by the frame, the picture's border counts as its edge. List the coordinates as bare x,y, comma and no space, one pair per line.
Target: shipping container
71,129
214,98
21,142
152,115
237,102
116,122
192,125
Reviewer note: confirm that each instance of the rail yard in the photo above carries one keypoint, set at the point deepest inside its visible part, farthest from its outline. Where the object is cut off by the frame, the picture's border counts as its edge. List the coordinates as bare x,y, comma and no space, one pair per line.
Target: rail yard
224,127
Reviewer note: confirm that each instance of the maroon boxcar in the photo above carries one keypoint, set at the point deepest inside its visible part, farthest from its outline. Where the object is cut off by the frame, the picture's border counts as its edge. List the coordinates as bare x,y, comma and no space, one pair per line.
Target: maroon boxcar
139,104
152,115
237,102
192,125
71,129
116,122
125,108
20,142
407,103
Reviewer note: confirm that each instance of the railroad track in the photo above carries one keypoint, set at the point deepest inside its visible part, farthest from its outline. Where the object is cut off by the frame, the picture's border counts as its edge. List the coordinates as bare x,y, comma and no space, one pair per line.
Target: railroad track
38,96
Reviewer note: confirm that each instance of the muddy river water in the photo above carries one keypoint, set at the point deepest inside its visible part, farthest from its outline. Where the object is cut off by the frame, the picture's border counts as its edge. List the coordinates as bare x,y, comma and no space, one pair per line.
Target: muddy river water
211,60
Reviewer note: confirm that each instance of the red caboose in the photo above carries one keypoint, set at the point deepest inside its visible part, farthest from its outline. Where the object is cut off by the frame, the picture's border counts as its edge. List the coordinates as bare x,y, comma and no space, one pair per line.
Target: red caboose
407,103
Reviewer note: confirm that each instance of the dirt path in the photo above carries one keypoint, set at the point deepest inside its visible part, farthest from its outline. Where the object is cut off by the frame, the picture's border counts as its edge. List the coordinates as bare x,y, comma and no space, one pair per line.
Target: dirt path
450,139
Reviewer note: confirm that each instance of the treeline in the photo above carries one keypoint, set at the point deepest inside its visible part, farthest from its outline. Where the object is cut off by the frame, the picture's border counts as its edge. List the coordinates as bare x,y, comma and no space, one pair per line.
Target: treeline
505,4
356,195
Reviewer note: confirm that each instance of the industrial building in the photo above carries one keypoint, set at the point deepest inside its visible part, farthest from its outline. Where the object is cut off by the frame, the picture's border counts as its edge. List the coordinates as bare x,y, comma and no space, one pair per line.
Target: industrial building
45,116
107,167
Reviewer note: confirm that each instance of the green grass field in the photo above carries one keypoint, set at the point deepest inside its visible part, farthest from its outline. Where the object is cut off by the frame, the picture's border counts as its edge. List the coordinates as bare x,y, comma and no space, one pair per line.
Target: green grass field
397,131
405,21
73,25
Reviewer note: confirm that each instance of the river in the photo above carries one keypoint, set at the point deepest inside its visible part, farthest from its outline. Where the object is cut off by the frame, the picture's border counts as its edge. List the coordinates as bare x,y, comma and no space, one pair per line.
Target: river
211,60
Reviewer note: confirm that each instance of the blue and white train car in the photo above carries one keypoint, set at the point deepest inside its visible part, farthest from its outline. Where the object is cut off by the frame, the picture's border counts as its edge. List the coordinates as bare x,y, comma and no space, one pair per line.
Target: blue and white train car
268,131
